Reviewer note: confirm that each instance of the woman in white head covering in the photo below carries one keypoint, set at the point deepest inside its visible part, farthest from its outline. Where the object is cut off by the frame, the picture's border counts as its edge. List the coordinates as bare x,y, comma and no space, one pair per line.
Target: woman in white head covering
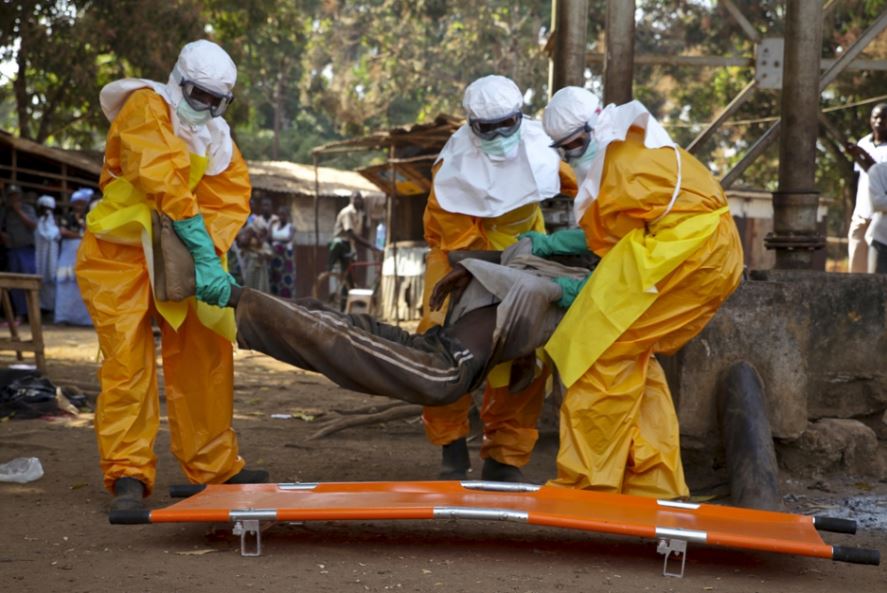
46,248
487,184
69,307
168,150
670,256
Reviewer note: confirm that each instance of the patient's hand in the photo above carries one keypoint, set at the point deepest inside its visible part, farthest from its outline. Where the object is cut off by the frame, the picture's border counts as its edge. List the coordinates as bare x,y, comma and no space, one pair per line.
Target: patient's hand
452,285
860,155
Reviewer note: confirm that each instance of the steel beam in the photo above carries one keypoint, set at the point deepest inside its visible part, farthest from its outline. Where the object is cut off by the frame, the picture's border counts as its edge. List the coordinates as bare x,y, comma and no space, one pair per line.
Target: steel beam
619,65
839,66
737,15
795,203
726,62
854,50
729,110
570,31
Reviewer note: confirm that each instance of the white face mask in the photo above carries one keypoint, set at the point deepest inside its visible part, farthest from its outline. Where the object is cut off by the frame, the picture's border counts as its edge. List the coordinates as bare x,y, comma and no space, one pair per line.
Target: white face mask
582,164
501,148
190,116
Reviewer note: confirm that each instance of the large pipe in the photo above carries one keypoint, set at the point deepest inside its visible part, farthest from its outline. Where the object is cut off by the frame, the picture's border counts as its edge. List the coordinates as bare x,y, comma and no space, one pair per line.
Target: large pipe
795,235
570,27
619,65
748,441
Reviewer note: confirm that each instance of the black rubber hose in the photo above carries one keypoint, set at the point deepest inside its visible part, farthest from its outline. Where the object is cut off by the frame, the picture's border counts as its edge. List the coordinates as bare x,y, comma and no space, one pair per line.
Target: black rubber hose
185,490
130,517
834,525
856,555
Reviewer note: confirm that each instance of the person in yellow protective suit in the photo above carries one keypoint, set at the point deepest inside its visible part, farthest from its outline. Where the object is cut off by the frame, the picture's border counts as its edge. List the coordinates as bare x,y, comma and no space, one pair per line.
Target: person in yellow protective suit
488,182
670,256
168,149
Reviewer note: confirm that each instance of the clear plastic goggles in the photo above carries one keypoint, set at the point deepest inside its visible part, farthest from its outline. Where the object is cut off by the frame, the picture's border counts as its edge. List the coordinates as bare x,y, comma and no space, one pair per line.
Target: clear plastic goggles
574,145
486,129
203,99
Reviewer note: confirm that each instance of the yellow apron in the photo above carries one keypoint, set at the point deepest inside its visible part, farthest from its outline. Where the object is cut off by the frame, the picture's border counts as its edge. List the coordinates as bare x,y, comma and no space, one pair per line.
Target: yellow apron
624,286
501,233
123,215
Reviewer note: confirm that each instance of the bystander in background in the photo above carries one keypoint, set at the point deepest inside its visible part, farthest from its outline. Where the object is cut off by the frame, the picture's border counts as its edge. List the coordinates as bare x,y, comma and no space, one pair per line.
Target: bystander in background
869,150
282,273
46,248
17,223
69,307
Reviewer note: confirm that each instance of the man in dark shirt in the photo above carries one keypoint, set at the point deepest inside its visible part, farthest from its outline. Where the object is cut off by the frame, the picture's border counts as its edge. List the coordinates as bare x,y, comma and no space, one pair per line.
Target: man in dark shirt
17,222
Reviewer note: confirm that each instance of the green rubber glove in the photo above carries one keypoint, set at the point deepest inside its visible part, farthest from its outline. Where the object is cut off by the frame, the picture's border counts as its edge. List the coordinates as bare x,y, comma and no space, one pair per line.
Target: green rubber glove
563,242
571,288
213,282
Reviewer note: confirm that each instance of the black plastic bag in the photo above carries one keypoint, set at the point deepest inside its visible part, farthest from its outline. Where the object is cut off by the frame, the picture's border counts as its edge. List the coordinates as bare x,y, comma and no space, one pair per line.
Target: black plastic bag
26,397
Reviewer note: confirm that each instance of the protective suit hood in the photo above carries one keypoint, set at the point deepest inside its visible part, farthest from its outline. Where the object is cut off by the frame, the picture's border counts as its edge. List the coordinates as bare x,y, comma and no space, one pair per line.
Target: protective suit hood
567,107
202,62
470,182
492,97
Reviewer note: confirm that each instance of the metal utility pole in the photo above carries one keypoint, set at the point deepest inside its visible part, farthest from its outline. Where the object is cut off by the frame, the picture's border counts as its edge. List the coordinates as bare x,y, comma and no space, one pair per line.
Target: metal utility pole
619,65
795,235
569,20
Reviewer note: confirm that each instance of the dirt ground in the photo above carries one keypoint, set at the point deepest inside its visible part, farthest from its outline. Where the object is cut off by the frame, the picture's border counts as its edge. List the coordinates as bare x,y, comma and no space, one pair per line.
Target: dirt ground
55,535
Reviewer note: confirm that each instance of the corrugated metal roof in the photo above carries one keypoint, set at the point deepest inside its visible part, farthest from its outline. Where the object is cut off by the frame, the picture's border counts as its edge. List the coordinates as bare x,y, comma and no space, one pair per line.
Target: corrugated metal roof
69,157
295,178
415,138
272,176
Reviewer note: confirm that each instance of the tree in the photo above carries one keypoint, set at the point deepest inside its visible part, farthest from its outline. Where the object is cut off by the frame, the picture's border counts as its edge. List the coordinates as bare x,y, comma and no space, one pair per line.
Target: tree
65,51
372,64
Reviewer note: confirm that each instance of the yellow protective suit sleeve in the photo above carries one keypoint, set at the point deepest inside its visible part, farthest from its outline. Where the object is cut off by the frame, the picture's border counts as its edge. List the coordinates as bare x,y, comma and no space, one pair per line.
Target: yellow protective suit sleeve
143,148
569,185
636,187
224,201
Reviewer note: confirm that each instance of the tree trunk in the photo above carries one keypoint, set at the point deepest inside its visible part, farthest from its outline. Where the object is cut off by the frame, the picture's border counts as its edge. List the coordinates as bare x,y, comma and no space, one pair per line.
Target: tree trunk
20,85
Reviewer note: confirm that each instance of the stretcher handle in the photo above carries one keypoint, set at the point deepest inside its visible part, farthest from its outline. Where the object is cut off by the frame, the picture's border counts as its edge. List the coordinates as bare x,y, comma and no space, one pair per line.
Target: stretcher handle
834,524
185,490
129,517
856,555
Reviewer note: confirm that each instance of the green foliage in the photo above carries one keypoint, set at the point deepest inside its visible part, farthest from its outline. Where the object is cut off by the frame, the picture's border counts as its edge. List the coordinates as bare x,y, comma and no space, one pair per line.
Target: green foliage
63,52
686,98
314,71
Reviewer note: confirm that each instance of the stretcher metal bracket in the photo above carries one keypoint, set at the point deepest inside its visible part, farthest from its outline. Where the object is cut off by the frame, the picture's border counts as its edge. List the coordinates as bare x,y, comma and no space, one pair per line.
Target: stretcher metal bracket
246,529
678,547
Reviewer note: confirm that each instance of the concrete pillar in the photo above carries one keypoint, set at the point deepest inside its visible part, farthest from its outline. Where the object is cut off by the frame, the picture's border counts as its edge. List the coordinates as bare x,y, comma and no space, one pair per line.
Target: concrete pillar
795,235
619,63
569,20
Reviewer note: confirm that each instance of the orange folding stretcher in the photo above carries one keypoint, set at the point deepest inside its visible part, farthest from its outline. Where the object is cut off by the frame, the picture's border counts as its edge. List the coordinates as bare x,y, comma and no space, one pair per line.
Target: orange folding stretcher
674,524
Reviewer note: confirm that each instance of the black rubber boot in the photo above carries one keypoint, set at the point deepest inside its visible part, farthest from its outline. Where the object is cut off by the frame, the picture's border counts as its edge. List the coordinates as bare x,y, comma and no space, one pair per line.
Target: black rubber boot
494,471
128,495
249,476
455,462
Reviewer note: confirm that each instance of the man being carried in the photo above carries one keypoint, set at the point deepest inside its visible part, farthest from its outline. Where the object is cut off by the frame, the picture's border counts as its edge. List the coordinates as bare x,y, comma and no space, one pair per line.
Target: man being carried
504,312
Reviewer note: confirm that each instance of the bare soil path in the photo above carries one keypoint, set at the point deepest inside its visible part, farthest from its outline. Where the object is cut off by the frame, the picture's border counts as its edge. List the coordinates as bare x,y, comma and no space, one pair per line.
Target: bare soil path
54,535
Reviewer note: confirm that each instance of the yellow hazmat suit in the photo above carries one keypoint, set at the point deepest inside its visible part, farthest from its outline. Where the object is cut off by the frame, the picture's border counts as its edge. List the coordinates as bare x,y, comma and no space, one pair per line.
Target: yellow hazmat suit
144,156
509,418
660,281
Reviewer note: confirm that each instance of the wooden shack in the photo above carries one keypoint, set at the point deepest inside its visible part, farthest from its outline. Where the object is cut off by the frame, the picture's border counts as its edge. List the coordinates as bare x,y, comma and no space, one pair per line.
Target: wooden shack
408,153
313,199
39,169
